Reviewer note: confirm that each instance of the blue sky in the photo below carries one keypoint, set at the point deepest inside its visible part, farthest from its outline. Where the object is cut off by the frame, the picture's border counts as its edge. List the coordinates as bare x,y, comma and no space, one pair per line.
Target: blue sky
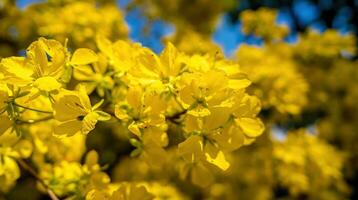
227,35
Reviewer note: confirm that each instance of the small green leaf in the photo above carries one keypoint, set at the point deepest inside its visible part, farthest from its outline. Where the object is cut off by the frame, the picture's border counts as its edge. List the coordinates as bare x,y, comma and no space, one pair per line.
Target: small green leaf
135,142
97,105
22,94
135,152
67,75
103,116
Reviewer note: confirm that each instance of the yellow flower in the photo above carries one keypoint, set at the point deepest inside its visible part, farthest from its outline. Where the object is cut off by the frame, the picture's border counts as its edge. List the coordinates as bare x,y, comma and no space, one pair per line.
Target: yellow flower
202,91
9,173
83,56
142,110
199,157
274,87
159,72
75,114
121,55
328,45
94,76
144,113
43,67
262,23
303,161
72,179
79,21
11,148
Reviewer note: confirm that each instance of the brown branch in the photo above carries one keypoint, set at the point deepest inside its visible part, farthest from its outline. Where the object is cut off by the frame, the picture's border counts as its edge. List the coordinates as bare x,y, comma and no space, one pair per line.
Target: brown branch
28,168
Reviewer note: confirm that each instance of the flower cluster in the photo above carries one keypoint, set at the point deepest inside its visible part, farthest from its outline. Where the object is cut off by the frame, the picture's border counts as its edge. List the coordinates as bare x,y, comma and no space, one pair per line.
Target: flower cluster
202,15
152,95
307,165
262,23
88,114
276,78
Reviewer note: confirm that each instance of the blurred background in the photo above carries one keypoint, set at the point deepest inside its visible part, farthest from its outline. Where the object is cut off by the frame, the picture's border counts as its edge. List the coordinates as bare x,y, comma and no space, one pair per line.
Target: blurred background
298,15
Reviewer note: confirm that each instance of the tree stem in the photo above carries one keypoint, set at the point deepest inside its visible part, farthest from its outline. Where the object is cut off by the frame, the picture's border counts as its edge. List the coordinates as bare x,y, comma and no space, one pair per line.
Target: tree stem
28,168
33,109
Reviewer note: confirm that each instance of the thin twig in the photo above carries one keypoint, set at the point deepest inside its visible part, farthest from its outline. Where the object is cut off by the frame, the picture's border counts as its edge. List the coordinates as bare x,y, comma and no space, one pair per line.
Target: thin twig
34,174
33,109
33,121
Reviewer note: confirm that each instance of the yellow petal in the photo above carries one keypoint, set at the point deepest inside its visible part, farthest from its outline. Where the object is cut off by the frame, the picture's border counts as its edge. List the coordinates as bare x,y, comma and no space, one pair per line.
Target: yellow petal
83,56
9,170
201,176
134,128
155,134
47,84
96,195
16,70
5,123
57,52
230,138
91,159
68,106
131,192
134,97
68,128
252,127
38,55
219,161
191,149
238,84
199,111
84,73
84,98
104,45
4,95
192,123
154,155
121,113
89,122
170,65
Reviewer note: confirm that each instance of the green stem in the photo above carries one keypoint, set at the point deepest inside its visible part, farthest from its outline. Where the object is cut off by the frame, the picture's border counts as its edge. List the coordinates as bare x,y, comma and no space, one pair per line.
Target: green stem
2,111
33,121
33,109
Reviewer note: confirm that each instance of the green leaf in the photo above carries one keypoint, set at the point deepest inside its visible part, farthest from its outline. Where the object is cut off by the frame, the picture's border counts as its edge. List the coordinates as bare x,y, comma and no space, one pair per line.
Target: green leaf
67,75
22,94
135,142
135,152
97,105
103,116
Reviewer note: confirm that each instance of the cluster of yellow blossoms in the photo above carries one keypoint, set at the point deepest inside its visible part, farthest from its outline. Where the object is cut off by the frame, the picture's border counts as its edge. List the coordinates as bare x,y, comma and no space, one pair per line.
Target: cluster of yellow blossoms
306,164
148,93
78,22
201,15
276,78
72,19
262,23
88,114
